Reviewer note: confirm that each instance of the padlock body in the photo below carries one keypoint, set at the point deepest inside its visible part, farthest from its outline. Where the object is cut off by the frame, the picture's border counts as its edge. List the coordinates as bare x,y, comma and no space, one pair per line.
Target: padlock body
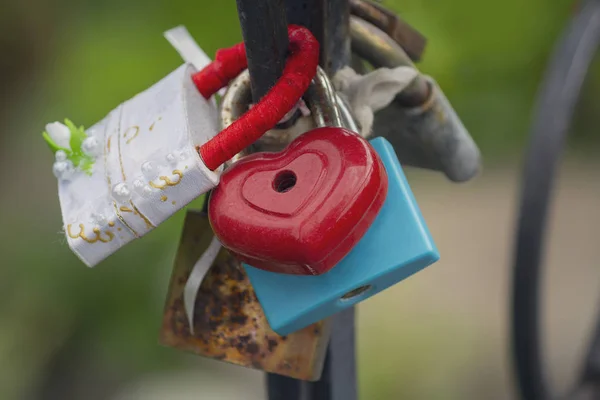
397,245
302,210
146,168
229,324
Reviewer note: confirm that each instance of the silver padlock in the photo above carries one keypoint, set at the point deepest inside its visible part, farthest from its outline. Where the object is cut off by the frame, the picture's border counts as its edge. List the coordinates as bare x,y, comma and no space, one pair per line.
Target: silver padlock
238,98
420,123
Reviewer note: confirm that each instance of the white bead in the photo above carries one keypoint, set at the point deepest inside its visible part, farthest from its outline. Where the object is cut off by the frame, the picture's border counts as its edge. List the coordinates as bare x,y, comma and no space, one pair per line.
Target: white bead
139,185
121,192
149,170
90,146
63,170
147,191
183,155
60,156
99,219
171,159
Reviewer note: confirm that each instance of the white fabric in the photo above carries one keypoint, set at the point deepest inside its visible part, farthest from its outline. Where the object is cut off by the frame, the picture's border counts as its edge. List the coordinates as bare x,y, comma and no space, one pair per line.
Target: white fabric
186,46
367,94
148,168
202,266
188,49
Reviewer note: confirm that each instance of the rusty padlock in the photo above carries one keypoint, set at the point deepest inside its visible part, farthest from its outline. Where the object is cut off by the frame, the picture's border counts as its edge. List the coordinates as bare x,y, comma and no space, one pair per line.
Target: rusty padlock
229,323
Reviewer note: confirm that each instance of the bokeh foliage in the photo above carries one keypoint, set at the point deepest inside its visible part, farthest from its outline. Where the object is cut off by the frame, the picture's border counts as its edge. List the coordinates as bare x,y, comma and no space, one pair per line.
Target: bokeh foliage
81,58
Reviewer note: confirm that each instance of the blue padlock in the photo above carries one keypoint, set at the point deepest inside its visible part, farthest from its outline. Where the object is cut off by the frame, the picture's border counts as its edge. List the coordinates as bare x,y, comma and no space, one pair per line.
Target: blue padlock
397,245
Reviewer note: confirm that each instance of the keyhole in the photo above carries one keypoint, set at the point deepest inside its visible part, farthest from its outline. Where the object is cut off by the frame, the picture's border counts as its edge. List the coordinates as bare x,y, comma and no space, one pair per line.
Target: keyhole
284,181
356,292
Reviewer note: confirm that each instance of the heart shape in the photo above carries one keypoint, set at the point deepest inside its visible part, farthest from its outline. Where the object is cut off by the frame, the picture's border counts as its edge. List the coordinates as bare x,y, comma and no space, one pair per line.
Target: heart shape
302,210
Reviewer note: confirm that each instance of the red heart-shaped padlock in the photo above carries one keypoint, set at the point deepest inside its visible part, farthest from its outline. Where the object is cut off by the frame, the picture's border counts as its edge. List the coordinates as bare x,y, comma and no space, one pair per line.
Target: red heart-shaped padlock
302,210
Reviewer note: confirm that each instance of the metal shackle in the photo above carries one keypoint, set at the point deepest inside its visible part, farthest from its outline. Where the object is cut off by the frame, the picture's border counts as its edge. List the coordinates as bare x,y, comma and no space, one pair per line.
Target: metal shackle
420,123
326,107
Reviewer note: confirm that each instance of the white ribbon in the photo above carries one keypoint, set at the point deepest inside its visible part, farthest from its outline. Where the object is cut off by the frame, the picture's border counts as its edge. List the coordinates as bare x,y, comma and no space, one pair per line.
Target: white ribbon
367,94
186,46
181,39
199,271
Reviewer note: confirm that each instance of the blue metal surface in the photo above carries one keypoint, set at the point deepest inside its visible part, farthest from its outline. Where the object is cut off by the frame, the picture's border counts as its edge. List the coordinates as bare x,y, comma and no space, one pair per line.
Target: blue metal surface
397,245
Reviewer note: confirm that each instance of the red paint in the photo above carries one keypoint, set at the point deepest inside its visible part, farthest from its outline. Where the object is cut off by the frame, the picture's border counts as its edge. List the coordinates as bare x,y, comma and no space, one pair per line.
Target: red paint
340,186
300,68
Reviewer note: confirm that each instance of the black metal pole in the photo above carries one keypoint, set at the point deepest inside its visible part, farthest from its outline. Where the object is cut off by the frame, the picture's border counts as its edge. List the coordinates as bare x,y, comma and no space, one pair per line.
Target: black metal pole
339,380
264,28
329,21
590,376
556,105
336,43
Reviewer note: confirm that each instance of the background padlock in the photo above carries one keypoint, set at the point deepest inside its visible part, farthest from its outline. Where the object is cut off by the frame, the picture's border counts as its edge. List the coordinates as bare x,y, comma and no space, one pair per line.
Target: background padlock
327,176
396,246
229,324
422,125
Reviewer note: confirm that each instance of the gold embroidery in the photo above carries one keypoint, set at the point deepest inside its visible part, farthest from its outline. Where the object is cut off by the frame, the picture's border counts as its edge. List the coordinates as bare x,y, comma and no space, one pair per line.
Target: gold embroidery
173,202
130,129
163,198
125,209
142,216
111,223
123,220
96,231
154,123
108,179
121,159
167,180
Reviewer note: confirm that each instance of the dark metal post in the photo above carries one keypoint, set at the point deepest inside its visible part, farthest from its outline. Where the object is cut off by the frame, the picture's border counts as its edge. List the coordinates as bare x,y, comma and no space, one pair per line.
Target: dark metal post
329,21
339,380
264,28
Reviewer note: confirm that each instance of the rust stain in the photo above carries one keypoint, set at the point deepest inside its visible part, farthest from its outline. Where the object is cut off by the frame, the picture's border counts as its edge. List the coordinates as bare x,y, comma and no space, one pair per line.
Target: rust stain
229,323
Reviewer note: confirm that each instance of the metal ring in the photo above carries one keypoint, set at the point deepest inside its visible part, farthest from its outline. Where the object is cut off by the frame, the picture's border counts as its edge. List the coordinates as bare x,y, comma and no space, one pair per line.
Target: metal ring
380,50
327,109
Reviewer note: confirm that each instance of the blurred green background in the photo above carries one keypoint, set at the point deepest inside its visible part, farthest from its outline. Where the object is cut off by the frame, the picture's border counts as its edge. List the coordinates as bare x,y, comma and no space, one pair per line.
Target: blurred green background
67,332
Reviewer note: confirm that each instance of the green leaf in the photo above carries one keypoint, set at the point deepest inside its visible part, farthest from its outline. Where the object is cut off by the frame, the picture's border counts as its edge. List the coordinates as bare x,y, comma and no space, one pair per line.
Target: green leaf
53,146
77,156
77,137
